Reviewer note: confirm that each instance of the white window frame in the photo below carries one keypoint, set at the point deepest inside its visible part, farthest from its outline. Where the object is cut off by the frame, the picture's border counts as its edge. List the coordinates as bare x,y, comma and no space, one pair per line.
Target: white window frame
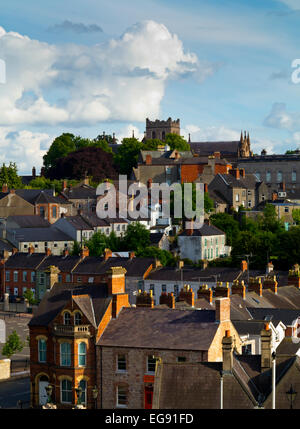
67,355
41,350
61,391
125,395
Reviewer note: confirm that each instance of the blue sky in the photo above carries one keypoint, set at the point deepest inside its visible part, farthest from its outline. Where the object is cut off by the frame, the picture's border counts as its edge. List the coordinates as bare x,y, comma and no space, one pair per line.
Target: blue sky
92,66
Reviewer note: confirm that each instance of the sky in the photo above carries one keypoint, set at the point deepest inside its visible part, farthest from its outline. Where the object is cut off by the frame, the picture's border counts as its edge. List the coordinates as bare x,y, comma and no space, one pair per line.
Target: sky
88,66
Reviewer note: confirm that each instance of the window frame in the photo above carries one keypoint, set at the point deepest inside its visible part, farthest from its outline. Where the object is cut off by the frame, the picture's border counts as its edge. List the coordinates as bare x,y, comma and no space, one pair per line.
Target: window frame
82,354
41,350
66,354
124,394
122,362
65,390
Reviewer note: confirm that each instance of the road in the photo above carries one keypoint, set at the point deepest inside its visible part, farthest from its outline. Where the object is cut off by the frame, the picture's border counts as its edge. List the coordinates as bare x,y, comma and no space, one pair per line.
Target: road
12,391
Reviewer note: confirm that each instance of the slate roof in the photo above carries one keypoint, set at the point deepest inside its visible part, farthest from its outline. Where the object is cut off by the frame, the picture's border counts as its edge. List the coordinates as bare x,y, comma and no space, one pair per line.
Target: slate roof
208,148
251,327
29,221
63,263
161,329
33,196
5,245
39,234
205,230
287,316
185,274
155,237
59,295
248,182
78,223
25,260
288,346
80,192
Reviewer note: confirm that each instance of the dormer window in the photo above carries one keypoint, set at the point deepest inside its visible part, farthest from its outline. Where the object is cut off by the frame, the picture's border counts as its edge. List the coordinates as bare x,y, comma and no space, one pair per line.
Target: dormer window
67,318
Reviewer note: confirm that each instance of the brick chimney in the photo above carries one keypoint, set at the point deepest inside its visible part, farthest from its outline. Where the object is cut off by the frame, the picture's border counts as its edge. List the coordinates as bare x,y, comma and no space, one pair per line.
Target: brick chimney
107,254
5,187
187,294
294,276
30,250
148,159
235,172
255,285
266,347
167,299
205,292
282,186
238,288
48,251
205,187
33,172
12,191
65,252
115,277
244,266
270,282
64,185
242,173
222,291
131,255
222,310
144,299
84,252
180,264
227,350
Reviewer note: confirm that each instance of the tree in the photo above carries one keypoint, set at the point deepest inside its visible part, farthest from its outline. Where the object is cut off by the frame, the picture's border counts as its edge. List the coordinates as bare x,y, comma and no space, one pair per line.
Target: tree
9,176
152,144
226,222
105,138
177,142
269,221
165,257
208,203
76,249
136,237
29,295
296,216
96,244
13,345
60,147
127,156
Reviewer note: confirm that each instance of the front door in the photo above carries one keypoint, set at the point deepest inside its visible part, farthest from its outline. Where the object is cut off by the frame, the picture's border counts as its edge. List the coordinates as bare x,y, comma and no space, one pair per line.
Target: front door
42,392
148,397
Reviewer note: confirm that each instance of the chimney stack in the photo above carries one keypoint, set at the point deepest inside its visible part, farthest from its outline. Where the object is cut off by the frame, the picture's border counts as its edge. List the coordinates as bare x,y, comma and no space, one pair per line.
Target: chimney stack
239,288
222,291
270,282
242,173
84,252
167,299
144,299
266,347
65,252
5,188
148,159
187,294
48,251
235,172
33,172
244,266
222,309
227,349
107,254
205,292
116,280
205,187
255,285
64,185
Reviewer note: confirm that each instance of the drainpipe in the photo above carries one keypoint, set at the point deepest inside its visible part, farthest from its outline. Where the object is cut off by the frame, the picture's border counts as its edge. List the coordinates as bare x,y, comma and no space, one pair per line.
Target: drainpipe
221,390
273,380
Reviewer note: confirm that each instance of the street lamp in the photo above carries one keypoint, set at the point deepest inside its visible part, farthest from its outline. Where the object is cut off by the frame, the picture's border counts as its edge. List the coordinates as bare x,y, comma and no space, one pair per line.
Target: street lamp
291,395
95,395
49,389
78,391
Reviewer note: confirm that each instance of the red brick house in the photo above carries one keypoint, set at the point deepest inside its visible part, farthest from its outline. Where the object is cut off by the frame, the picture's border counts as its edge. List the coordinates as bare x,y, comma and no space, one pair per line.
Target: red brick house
63,334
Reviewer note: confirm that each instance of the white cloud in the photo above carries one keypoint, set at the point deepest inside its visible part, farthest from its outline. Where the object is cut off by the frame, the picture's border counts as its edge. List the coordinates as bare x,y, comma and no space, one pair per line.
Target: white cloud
210,133
279,117
292,4
128,131
123,79
24,147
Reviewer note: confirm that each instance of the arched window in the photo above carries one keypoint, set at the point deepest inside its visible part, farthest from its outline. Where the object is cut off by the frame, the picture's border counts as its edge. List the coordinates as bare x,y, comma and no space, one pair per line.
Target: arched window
66,391
65,354
67,318
77,318
82,384
42,347
82,354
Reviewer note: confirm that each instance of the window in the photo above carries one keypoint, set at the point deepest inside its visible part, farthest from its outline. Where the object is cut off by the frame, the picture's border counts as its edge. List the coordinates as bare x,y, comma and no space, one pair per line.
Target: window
25,246
107,230
211,253
279,176
54,211
153,289
68,278
249,192
217,251
118,227
55,245
176,290
82,384
42,211
66,391
181,359
67,318
153,134
123,227
286,210
151,364
82,354
46,244
249,203
66,245
257,174
168,170
32,277
164,288
42,278
121,396
205,242
24,290
122,363
91,280
15,276
247,349
7,276
237,198
16,291
294,176
65,354
77,318
24,276
59,278
36,245
42,347
268,176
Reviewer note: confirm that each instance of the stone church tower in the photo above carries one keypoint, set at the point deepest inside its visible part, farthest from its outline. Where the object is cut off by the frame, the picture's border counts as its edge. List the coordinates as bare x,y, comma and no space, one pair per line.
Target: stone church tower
244,146
159,129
